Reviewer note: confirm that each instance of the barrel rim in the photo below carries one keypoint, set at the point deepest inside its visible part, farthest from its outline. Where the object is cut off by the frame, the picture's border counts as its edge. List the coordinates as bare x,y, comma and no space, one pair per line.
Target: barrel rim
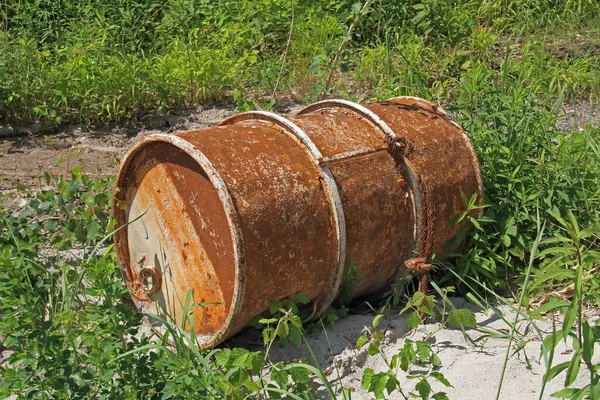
329,187
298,134
231,214
359,109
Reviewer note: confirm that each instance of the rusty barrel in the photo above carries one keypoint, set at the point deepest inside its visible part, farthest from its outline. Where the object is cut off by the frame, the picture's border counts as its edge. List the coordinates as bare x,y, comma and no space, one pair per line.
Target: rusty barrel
234,217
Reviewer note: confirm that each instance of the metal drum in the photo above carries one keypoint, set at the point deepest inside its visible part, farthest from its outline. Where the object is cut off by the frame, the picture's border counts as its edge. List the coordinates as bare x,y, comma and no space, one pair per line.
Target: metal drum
262,207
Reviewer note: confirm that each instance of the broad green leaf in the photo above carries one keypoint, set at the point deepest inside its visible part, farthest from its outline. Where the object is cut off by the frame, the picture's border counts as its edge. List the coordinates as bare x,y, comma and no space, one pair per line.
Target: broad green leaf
274,307
169,390
589,231
80,232
423,350
573,369
556,370
51,225
475,223
366,378
556,251
423,388
569,320
76,171
268,334
222,356
413,320
283,329
301,298
93,229
373,348
407,355
417,299
588,342
361,341
280,377
376,320
570,393
258,363
511,227
296,321
441,378
391,384
462,317
300,375
542,277
435,360
573,222
295,336
553,303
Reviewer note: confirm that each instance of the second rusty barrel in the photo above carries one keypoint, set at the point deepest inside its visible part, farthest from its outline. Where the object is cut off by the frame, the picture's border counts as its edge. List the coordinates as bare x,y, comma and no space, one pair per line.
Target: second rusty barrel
262,207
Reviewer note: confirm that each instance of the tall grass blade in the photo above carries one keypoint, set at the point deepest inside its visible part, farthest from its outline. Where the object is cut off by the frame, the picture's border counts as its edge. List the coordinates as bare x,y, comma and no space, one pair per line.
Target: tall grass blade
532,256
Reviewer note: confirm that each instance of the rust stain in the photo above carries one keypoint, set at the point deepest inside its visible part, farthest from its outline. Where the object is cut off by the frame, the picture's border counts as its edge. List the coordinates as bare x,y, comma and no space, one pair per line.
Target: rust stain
378,209
440,155
285,220
170,224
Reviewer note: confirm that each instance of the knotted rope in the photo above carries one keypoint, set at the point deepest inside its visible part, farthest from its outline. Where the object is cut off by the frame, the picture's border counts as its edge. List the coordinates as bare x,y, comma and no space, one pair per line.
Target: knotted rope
401,148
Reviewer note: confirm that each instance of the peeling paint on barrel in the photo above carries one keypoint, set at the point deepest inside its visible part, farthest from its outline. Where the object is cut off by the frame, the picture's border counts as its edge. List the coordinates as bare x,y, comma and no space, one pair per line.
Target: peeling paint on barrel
261,207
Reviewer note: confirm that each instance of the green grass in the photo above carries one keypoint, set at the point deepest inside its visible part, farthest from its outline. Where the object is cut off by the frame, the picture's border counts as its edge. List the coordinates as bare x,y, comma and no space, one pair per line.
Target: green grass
503,68
103,62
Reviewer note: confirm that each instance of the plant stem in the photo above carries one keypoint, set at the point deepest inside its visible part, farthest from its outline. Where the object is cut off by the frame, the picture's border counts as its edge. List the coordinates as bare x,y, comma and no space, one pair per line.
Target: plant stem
579,295
285,53
342,45
538,238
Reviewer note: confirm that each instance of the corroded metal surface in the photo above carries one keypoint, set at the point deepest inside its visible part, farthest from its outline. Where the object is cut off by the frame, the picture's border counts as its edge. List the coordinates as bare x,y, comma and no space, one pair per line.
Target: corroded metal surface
377,203
262,207
288,224
439,154
161,187
330,189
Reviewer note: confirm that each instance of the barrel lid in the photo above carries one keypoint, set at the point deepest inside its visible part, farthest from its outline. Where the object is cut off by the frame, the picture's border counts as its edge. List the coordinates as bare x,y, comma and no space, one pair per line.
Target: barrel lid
180,245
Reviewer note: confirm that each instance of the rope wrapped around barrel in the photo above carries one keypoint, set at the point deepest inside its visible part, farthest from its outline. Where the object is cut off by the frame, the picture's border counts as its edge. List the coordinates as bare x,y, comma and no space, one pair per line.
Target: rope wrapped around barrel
421,265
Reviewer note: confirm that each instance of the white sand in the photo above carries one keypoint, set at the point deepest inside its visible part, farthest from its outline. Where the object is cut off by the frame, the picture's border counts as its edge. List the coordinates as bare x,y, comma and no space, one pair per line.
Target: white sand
472,367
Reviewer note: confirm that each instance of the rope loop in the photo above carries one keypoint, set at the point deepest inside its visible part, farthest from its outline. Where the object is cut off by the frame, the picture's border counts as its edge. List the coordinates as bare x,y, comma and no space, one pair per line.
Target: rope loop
418,265
401,147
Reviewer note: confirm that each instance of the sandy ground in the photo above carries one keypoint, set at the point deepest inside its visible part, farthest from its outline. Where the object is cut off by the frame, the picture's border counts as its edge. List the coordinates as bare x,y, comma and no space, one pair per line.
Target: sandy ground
473,367
23,158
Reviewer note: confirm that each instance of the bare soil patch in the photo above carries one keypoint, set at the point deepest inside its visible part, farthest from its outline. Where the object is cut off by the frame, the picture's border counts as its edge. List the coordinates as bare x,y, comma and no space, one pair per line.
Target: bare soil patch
23,159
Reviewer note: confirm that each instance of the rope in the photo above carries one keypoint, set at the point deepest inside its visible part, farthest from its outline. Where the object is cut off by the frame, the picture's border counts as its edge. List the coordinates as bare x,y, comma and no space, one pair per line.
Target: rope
421,265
